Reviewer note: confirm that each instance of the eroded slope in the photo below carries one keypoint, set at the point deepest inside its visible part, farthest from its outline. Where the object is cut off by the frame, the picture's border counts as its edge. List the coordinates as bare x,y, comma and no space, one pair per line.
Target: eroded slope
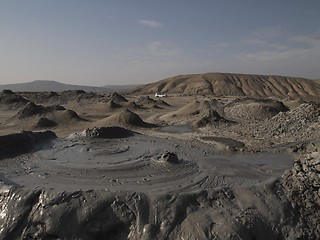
228,84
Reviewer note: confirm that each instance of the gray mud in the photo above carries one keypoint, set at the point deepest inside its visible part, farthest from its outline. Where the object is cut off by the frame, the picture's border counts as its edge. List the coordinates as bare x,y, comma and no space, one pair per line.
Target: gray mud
251,212
23,142
176,129
134,164
94,186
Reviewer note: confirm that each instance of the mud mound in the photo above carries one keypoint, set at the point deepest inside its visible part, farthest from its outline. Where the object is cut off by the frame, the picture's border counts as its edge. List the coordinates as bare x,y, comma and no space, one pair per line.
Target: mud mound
65,97
302,186
195,107
253,109
11,100
18,143
79,97
45,123
45,117
198,113
116,97
107,132
71,95
147,101
210,117
111,105
42,97
7,91
133,105
228,84
125,118
300,123
31,109
66,116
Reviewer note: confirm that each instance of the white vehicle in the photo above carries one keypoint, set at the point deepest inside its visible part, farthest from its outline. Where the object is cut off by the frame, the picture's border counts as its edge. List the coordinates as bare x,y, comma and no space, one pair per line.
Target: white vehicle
160,95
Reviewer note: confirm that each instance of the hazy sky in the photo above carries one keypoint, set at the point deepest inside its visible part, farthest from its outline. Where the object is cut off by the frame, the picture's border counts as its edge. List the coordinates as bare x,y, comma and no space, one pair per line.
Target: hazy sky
99,42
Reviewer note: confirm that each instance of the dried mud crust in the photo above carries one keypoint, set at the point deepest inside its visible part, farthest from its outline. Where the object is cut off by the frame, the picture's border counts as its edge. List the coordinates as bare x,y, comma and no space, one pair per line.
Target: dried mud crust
302,186
277,133
253,109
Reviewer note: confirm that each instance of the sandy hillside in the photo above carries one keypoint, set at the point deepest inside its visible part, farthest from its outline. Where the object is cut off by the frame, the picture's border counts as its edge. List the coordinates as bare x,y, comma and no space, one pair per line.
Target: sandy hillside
228,84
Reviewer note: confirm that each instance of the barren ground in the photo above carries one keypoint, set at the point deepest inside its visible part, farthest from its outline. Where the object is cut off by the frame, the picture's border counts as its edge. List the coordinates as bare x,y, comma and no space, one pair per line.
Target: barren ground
139,167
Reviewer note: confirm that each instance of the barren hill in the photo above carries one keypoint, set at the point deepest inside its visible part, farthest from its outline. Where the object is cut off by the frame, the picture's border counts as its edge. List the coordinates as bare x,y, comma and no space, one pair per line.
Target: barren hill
44,85
228,84
125,118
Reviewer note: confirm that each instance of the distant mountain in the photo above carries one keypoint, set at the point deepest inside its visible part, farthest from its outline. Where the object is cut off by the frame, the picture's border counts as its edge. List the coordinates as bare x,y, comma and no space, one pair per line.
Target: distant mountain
123,88
44,85
317,81
230,84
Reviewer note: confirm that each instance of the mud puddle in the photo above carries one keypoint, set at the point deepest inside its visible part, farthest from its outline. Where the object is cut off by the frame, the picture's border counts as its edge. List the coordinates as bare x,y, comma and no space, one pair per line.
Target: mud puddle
134,164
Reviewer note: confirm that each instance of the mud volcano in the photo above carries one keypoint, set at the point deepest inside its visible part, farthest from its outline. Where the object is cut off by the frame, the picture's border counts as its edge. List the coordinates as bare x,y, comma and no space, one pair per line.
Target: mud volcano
11,100
254,109
111,105
38,116
125,118
114,183
115,176
106,132
115,158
